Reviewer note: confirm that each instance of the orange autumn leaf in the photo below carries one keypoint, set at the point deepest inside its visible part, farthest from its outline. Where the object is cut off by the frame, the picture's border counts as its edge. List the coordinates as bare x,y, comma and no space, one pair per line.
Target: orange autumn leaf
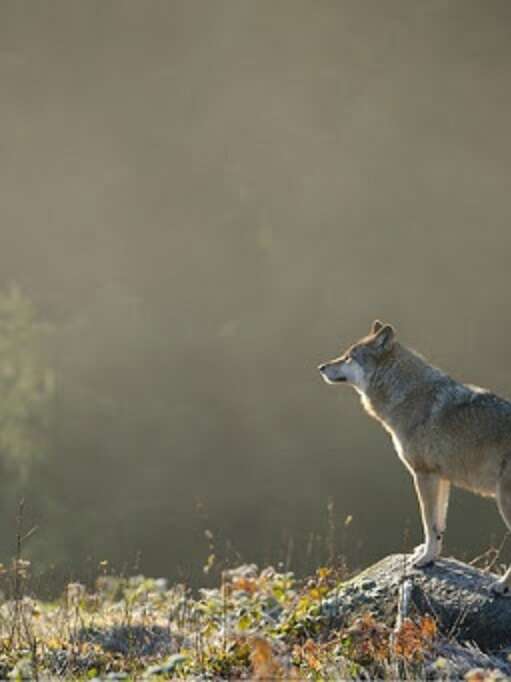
413,639
245,585
264,664
428,627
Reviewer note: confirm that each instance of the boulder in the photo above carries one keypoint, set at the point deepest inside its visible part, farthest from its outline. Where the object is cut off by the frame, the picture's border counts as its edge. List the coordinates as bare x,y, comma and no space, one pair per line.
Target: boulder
457,595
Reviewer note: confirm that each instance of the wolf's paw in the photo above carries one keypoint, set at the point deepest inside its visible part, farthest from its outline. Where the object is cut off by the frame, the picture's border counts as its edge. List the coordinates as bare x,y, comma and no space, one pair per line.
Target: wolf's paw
500,589
423,558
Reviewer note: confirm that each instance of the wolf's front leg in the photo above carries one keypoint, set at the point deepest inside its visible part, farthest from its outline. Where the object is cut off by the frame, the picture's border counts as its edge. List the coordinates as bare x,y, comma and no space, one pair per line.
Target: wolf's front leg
442,504
429,488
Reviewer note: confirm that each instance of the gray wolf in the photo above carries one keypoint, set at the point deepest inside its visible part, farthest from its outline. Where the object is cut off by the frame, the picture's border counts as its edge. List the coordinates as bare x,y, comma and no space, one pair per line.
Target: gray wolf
445,432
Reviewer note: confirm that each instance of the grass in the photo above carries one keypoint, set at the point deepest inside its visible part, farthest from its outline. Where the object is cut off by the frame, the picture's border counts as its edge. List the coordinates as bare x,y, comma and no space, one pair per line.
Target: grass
254,624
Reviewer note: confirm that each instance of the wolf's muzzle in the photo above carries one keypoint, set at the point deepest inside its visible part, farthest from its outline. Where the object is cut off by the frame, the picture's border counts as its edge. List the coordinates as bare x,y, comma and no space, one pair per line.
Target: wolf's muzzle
323,369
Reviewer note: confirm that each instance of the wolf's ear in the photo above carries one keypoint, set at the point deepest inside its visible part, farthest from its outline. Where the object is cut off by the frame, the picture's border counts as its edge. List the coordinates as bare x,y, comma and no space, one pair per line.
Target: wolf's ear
377,325
384,337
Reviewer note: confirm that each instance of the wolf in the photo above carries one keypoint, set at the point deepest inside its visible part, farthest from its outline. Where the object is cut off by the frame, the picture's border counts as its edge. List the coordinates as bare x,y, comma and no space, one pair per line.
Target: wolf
445,432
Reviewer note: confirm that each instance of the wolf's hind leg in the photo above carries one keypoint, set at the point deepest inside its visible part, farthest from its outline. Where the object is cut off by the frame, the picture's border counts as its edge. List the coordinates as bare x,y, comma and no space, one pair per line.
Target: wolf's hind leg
433,506
503,585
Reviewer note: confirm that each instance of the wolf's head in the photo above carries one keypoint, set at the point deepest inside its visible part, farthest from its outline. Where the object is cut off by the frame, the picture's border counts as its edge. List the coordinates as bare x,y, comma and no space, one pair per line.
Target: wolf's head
357,364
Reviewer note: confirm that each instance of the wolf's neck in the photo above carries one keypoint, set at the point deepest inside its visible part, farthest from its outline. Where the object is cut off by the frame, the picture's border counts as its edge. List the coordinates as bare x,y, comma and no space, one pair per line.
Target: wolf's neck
394,383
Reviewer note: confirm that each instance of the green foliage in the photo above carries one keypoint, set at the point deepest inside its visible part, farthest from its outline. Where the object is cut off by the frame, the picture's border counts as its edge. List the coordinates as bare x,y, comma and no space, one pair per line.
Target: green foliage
26,383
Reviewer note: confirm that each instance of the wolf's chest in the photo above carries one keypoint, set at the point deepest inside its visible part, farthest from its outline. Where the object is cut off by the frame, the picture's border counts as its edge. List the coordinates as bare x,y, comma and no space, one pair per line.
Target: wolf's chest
403,454
398,445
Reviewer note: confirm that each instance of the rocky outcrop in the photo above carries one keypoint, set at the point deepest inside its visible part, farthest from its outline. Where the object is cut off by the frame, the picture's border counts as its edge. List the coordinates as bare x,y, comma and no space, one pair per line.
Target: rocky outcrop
456,594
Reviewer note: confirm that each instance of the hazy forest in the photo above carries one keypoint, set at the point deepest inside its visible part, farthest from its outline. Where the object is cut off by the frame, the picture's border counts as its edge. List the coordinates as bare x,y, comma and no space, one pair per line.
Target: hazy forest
201,201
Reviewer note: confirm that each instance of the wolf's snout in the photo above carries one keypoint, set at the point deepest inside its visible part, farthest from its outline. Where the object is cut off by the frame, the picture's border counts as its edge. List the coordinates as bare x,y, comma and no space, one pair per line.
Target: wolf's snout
322,367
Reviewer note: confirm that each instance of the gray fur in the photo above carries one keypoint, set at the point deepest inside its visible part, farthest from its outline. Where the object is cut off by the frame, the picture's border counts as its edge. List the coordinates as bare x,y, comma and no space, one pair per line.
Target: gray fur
444,431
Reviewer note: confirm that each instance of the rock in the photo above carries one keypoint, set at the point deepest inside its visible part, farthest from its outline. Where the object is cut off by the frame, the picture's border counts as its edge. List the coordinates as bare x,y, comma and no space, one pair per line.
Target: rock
453,661
456,594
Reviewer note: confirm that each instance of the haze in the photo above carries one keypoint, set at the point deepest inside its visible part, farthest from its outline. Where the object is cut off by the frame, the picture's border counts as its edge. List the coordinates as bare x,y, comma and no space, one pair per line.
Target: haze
206,200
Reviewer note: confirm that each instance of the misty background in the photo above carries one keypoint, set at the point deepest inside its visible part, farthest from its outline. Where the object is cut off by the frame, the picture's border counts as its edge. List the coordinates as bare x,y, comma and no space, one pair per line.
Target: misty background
201,201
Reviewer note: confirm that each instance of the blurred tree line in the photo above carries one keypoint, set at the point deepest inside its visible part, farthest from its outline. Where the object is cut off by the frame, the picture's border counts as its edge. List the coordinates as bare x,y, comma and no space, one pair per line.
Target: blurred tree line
99,435
55,436
27,407
27,385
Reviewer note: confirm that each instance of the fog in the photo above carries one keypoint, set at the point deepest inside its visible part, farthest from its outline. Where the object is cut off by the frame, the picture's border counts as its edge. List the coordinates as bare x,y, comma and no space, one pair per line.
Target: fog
207,199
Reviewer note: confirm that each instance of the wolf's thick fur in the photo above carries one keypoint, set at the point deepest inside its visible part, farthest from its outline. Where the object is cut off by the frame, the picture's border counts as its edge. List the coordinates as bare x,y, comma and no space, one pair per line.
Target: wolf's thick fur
445,432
